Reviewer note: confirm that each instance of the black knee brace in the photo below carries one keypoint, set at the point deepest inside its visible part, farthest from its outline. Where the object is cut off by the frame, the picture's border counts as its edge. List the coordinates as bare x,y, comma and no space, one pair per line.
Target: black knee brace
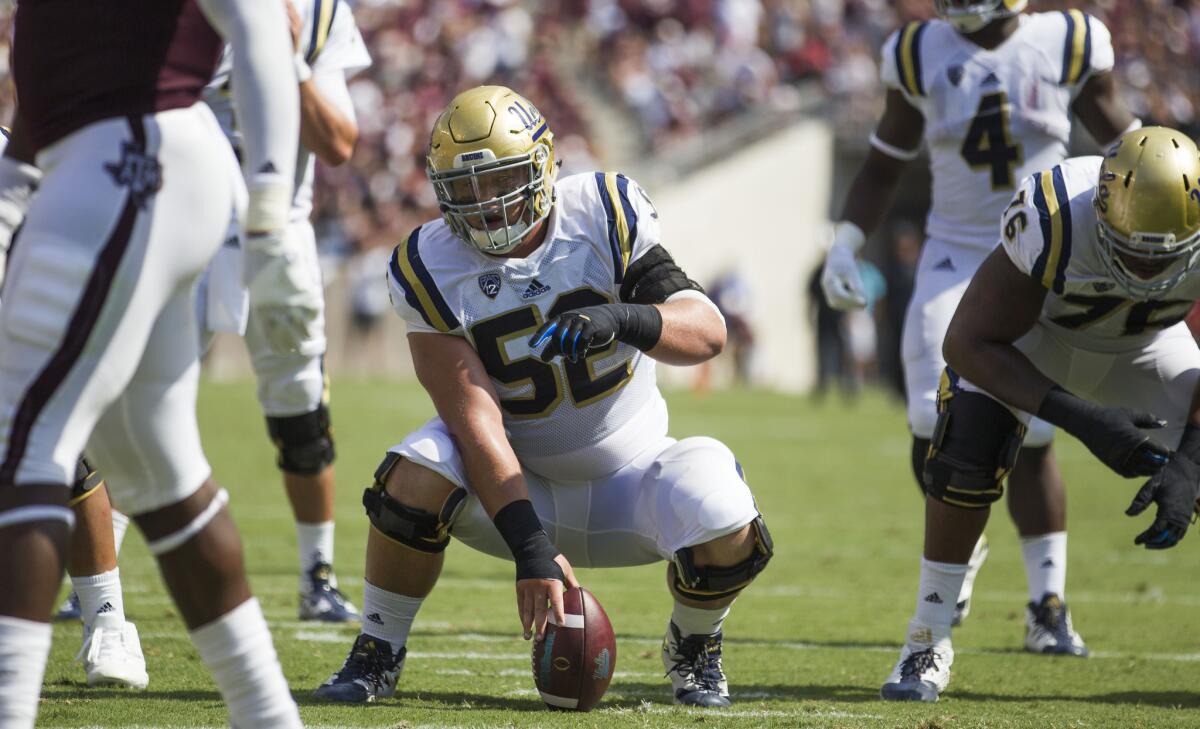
305,442
920,451
974,446
87,480
411,527
715,583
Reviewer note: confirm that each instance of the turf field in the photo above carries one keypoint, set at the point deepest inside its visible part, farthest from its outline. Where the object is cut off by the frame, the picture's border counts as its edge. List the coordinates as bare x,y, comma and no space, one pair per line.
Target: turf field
808,645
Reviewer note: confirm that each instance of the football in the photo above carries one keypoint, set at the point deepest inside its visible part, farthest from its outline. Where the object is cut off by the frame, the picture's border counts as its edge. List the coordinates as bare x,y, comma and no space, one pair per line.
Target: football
574,662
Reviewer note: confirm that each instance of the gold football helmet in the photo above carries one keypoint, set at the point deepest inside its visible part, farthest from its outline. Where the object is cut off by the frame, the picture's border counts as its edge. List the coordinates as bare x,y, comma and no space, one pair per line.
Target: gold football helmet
969,16
1148,210
491,162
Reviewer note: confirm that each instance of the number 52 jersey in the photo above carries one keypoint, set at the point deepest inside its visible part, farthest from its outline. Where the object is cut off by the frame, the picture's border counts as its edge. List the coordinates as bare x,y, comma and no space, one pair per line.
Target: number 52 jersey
992,117
567,421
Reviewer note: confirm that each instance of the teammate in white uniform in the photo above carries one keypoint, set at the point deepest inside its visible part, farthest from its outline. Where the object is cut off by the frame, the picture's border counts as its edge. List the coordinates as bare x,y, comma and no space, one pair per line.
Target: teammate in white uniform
292,386
98,343
991,92
286,345
1097,271
535,314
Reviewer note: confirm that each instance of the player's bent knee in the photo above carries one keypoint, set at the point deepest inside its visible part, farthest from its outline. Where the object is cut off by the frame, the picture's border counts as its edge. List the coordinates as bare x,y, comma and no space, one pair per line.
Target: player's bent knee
708,583
972,451
410,524
87,481
1039,434
305,442
176,538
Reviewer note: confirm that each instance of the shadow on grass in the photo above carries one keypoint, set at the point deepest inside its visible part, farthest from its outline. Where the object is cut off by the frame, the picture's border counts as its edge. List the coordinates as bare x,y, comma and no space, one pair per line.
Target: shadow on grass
1164,699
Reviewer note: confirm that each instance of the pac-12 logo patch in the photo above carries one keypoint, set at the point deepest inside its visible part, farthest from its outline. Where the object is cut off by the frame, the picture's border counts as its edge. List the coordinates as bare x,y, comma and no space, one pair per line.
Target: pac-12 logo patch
138,171
489,284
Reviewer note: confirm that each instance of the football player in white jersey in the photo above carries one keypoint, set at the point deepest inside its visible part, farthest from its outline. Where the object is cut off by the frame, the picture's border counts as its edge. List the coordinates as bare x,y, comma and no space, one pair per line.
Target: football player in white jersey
536,310
1077,318
98,346
991,92
287,344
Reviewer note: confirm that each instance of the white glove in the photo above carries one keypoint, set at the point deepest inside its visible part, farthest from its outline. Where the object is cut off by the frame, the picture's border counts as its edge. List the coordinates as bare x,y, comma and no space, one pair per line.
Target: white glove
285,302
18,181
840,279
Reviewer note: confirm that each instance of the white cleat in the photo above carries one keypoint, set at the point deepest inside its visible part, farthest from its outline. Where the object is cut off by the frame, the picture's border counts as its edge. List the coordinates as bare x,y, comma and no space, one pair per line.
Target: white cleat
112,654
1048,629
962,607
923,671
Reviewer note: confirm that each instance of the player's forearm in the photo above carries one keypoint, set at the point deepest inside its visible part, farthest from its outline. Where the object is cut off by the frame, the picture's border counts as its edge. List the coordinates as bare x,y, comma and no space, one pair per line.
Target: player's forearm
999,368
871,192
268,107
324,129
692,332
492,466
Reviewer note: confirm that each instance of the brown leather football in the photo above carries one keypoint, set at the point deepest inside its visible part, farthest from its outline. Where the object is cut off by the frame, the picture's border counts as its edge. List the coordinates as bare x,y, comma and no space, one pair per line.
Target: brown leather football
574,662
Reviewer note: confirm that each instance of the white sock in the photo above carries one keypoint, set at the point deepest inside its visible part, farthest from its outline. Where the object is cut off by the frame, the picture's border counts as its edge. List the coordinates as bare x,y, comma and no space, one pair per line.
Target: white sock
939,588
388,615
120,523
24,646
238,651
1045,565
315,543
697,621
100,595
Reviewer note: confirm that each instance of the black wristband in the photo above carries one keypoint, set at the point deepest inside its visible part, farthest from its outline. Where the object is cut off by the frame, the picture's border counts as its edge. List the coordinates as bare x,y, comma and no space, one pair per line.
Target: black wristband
522,531
1063,409
639,325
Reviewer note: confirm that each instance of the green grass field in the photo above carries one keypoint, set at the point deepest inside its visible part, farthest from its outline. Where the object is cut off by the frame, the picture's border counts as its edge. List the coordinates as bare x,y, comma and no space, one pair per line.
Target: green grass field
807,645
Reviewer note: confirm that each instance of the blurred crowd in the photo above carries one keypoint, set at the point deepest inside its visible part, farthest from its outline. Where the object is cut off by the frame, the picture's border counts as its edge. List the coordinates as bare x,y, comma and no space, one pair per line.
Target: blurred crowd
669,69
675,68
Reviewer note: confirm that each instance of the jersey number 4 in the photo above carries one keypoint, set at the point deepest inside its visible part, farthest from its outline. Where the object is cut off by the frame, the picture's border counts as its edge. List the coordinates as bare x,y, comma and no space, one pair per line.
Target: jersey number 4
585,384
988,144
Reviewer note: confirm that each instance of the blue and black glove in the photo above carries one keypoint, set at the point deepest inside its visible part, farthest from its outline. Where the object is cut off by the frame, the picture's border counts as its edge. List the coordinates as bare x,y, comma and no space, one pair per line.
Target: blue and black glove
577,333
1174,489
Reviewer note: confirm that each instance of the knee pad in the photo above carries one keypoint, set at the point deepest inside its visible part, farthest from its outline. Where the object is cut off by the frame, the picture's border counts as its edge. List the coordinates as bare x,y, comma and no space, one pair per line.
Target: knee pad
87,480
708,583
920,451
972,450
414,528
305,442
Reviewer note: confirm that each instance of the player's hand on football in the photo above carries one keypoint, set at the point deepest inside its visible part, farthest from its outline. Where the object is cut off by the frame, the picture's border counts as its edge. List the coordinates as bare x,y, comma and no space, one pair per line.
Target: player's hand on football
841,281
1174,489
575,334
537,597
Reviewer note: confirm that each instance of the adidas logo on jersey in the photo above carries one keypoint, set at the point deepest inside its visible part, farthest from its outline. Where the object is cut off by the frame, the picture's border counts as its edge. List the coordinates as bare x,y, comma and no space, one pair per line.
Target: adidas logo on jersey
374,618
945,265
107,607
1048,563
535,288
934,598
991,79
